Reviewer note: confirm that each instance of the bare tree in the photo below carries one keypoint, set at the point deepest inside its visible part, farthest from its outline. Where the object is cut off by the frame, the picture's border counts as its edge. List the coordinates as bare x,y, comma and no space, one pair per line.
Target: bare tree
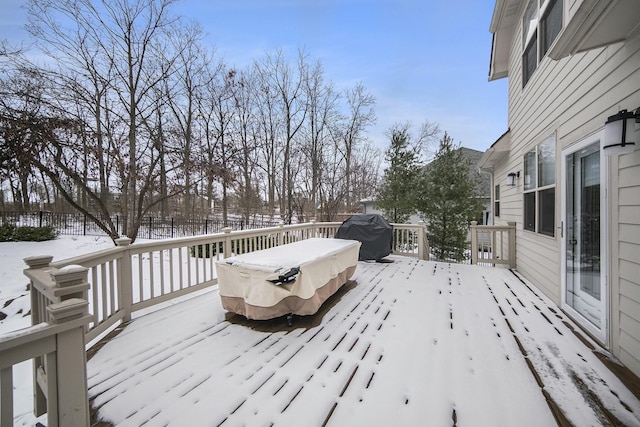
267,131
246,133
322,106
122,46
218,112
360,115
20,95
288,84
182,93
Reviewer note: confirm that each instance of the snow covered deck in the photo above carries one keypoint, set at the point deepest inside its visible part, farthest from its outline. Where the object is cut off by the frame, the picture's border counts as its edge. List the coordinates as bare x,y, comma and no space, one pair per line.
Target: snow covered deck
406,343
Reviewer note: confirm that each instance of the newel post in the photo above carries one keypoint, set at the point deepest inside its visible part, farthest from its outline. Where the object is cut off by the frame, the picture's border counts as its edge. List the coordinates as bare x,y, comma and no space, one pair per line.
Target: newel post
314,229
281,233
423,241
512,244
474,241
70,282
36,263
227,251
125,283
67,397
38,266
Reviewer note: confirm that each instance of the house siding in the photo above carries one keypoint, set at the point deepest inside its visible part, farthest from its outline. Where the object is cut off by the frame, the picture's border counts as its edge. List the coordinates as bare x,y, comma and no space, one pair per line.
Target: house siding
628,262
571,99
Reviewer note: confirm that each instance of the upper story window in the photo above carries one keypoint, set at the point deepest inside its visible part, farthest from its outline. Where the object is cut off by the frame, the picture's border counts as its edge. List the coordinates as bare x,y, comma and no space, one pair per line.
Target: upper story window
540,188
541,24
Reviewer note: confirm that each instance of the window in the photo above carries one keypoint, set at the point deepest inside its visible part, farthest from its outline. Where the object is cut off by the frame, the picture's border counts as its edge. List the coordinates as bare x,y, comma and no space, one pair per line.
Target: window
539,188
541,24
550,25
496,202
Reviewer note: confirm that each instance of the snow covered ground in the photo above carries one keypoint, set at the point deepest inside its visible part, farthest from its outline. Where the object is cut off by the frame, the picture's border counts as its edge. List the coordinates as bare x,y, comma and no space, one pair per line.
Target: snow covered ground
409,343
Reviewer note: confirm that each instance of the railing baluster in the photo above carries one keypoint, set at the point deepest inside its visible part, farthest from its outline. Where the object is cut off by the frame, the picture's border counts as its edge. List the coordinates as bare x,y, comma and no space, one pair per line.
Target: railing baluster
196,270
161,272
6,394
112,288
140,281
152,287
180,266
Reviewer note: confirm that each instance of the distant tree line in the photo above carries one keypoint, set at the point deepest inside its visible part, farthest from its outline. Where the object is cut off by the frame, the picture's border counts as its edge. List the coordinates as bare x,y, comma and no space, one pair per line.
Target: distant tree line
123,109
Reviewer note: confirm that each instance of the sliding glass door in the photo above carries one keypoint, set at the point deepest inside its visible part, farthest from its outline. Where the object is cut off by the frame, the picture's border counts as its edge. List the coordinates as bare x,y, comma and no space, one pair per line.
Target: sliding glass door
583,237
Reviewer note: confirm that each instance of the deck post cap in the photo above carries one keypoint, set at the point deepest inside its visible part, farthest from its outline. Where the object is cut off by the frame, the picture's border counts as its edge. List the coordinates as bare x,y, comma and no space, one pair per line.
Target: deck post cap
38,261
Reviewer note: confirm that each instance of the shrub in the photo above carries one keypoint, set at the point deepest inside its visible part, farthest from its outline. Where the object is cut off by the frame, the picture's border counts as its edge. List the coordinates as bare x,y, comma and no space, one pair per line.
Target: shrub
6,232
11,233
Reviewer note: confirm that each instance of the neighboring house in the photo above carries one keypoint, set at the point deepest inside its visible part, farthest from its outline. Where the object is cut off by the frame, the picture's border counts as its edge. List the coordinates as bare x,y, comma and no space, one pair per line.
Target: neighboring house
571,65
484,182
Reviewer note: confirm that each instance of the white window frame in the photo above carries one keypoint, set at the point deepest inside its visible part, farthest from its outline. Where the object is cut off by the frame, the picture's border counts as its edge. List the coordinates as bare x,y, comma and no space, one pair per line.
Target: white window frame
536,188
532,33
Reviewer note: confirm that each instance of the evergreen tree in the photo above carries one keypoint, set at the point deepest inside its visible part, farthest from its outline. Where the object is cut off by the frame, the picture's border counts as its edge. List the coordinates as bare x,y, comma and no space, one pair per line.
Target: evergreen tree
448,201
397,194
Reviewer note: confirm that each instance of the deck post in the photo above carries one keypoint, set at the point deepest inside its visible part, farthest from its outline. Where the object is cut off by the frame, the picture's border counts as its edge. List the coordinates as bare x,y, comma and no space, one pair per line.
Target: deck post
281,234
314,229
512,244
125,284
6,396
68,402
35,263
38,315
227,252
474,241
423,242
71,282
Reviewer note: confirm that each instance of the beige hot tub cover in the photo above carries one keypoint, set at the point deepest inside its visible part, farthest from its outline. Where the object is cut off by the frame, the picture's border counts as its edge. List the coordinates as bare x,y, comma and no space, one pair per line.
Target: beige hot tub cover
245,281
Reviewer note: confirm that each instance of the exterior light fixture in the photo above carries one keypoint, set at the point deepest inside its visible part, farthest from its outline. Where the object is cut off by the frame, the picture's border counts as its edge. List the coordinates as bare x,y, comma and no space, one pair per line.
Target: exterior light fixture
511,178
619,131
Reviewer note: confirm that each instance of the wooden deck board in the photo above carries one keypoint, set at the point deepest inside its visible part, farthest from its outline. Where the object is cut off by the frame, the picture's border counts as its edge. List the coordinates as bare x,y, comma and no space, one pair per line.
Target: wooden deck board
401,344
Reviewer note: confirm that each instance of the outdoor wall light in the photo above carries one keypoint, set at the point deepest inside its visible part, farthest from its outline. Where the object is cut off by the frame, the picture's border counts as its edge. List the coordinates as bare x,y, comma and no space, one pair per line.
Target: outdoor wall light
511,178
619,131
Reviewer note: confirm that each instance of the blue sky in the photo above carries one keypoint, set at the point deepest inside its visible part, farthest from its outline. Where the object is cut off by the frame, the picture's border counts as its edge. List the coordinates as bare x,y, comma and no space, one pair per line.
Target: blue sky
422,60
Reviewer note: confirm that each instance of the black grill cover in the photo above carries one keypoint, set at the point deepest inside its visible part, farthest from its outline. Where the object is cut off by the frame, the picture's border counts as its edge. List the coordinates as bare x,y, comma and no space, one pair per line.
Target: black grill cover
373,231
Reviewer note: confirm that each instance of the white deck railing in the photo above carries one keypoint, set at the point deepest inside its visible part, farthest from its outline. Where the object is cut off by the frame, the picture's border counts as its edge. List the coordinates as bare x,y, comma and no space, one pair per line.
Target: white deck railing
130,278
115,283
493,245
57,347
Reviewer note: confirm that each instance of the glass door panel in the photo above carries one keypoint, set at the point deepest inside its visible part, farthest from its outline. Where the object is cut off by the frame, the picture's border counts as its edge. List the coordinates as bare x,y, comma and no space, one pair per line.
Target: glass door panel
583,238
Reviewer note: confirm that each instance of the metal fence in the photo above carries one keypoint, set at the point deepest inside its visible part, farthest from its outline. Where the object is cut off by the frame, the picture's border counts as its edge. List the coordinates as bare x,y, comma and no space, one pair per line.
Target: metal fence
78,224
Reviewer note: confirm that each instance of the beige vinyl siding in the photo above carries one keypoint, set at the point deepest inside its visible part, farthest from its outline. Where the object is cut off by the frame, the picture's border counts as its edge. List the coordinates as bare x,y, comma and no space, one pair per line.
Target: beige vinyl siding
531,120
571,99
545,271
573,6
628,264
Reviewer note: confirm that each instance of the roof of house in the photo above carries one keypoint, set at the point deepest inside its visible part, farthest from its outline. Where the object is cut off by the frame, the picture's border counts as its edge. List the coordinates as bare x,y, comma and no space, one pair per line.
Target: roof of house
592,24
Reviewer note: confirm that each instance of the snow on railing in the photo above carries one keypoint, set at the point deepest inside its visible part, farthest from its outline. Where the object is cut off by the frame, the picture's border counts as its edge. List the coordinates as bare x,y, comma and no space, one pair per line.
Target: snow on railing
493,245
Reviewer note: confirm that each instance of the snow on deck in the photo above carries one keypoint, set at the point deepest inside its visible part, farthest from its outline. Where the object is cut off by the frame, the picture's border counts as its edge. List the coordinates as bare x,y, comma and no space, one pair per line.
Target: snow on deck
405,343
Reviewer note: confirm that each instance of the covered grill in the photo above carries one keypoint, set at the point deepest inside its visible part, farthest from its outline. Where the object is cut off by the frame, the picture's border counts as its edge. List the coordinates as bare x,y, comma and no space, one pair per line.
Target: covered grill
373,231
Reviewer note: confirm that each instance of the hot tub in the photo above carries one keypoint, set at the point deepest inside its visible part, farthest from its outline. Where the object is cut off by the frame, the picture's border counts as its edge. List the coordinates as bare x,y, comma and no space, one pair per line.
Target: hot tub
290,279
